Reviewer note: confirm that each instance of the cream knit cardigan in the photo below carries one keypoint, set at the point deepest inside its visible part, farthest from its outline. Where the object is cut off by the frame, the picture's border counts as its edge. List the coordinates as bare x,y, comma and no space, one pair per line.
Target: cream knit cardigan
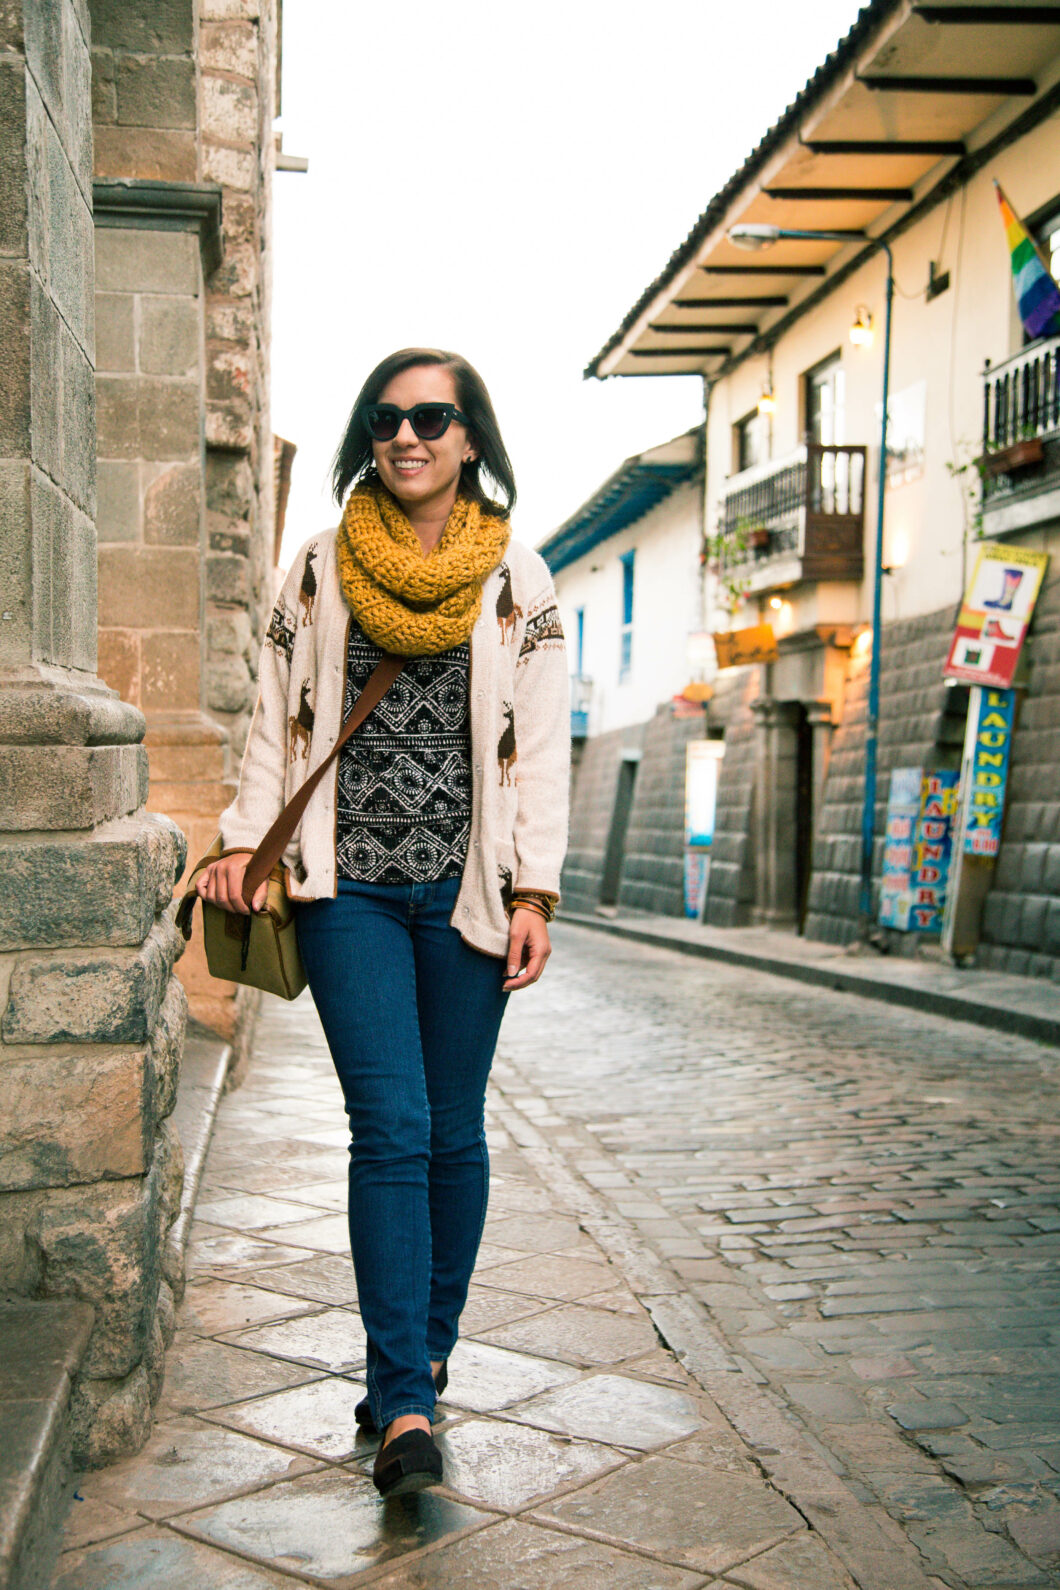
520,736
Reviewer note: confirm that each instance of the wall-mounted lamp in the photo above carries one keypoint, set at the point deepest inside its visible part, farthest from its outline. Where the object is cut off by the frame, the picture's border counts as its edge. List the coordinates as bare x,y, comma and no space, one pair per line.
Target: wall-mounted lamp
776,603
861,330
897,551
767,403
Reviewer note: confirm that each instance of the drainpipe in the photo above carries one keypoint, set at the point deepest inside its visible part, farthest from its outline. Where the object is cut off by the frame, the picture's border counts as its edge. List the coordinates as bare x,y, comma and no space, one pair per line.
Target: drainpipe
703,450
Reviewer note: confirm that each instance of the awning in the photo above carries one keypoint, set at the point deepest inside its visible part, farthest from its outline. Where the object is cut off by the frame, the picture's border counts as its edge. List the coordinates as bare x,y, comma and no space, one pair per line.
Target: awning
639,484
913,100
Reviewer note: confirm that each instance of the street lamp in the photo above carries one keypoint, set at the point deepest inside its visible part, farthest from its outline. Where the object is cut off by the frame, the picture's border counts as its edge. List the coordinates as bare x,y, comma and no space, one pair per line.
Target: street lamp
758,237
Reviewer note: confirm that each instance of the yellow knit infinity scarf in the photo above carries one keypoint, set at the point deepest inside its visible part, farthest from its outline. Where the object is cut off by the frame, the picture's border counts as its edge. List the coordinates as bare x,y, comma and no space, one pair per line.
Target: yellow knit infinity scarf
407,603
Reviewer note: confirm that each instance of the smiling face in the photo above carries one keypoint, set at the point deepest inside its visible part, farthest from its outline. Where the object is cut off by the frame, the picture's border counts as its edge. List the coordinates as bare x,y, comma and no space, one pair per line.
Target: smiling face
423,476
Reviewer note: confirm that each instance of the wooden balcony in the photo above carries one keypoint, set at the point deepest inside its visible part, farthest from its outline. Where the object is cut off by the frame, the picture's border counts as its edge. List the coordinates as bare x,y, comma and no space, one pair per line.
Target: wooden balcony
795,519
1020,461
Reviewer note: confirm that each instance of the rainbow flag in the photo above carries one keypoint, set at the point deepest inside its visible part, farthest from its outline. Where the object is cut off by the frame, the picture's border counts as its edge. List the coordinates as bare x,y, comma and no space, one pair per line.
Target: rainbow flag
1037,294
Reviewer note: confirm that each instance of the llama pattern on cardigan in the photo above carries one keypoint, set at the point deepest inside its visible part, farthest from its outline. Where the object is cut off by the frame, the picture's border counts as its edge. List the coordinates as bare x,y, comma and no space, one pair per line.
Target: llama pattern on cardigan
307,591
507,751
508,610
281,630
544,629
300,726
521,826
505,875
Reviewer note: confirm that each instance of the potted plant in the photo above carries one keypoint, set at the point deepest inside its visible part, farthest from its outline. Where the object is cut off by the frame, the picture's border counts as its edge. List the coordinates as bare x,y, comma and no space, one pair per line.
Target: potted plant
1027,449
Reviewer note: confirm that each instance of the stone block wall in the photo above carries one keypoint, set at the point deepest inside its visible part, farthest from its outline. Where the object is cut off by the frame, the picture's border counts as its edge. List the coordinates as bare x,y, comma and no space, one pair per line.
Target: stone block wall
150,415
731,889
653,866
237,60
184,102
144,89
91,1019
1021,917
594,780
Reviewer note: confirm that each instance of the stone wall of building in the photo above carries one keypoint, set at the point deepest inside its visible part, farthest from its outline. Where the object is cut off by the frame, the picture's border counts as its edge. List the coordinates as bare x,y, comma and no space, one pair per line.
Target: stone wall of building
653,865
91,1019
237,55
1021,916
731,888
184,98
594,781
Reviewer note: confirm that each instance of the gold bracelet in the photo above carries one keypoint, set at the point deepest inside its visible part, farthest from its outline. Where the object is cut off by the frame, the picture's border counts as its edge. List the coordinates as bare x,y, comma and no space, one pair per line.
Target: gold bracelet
532,901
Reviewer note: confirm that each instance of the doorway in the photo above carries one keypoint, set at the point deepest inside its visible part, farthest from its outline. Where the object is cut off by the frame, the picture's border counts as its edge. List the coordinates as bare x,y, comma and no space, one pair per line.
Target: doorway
804,812
616,836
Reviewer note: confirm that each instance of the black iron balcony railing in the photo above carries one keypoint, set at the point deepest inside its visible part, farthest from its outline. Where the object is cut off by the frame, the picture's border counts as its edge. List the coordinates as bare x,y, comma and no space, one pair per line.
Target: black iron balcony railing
1021,426
797,518
1021,398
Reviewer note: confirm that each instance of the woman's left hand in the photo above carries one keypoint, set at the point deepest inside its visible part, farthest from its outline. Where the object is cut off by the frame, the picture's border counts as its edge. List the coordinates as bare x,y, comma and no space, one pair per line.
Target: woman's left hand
529,948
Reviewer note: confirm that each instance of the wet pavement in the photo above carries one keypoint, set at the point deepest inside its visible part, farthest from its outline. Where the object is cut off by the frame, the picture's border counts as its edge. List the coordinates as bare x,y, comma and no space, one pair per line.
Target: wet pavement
866,1202
764,1301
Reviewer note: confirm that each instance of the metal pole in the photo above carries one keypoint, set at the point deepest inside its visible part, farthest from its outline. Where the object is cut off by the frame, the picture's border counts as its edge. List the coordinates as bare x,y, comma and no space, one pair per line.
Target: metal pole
868,810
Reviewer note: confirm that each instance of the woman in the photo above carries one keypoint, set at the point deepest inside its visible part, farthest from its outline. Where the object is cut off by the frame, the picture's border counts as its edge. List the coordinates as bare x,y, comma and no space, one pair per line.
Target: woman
428,871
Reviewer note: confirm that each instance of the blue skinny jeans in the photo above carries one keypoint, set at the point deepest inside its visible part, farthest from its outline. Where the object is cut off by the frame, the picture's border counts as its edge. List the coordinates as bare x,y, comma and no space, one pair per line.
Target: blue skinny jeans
411,1014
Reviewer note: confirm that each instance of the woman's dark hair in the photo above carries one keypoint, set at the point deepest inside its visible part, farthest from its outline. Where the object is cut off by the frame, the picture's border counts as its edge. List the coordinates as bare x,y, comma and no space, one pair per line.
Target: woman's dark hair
354,460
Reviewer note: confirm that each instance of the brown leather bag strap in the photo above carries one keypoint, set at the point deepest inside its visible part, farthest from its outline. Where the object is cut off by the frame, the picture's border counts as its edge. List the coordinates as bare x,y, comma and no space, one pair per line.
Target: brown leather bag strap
276,840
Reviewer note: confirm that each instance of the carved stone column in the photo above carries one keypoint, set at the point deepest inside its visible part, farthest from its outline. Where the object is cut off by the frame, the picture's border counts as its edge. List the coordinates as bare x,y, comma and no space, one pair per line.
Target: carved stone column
91,1020
819,718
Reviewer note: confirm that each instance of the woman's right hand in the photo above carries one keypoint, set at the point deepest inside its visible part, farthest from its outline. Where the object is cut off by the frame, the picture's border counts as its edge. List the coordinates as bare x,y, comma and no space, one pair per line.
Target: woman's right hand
222,883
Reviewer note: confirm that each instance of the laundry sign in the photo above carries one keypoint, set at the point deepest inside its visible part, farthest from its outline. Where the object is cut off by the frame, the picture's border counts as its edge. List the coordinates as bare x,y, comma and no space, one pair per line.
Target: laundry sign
989,739
918,846
995,615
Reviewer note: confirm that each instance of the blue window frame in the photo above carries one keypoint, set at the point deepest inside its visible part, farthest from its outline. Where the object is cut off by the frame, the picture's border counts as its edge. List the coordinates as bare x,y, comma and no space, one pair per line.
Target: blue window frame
625,653
579,652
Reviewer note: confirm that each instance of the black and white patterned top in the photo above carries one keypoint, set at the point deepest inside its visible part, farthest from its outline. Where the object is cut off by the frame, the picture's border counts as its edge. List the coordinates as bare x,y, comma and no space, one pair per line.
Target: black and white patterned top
404,791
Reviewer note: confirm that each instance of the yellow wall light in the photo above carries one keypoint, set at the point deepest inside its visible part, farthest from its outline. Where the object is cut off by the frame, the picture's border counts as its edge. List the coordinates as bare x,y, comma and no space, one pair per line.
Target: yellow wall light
861,331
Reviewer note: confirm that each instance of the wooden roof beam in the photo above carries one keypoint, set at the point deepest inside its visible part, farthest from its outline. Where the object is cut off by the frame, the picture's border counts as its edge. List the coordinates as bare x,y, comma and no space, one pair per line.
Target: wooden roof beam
1035,16
763,270
729,303
881,195
750,330
678,353
1005,86
910,146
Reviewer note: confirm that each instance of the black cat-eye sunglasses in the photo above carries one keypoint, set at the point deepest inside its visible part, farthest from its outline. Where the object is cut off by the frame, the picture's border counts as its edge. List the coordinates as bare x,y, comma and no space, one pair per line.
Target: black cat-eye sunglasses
429,420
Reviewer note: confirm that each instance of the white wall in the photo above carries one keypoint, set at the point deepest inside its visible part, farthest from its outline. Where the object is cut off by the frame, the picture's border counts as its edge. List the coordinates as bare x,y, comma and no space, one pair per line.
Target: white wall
945,342
666,609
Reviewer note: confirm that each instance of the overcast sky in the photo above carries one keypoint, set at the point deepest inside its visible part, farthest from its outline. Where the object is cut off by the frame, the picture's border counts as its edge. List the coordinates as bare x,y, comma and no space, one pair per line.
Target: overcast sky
505,180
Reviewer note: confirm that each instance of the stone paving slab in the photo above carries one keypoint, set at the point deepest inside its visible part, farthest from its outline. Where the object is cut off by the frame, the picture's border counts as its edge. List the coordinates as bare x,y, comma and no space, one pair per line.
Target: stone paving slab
579,1450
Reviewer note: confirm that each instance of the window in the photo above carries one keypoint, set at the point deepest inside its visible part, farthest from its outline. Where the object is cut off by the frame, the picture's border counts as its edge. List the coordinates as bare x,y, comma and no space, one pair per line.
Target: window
825,398
1047,236
750,440
1045,230
579,645
625,651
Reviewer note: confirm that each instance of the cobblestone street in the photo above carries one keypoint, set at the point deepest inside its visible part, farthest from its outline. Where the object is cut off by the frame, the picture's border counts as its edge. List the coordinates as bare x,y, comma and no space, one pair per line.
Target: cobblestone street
864,1198
766,1300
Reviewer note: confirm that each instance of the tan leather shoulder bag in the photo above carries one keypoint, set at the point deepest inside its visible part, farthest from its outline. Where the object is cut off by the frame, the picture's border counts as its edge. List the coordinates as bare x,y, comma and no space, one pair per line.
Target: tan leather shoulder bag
261,949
